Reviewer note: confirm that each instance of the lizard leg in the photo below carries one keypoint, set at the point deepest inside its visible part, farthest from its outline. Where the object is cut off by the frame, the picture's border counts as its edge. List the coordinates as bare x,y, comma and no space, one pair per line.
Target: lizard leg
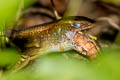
28,55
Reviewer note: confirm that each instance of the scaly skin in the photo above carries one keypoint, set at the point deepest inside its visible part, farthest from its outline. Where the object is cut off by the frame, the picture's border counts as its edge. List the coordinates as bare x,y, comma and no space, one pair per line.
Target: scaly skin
49,37
36,35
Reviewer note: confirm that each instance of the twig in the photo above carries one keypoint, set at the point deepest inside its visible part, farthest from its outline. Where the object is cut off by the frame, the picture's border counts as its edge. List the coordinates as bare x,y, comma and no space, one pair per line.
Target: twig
110,21
55,11
20,7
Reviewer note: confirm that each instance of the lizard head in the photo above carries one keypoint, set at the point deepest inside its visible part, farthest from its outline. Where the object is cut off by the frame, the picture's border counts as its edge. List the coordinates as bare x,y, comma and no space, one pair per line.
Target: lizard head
79,23
82,41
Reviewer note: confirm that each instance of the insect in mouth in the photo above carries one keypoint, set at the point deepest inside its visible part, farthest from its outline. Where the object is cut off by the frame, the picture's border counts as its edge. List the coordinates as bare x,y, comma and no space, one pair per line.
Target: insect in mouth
86,44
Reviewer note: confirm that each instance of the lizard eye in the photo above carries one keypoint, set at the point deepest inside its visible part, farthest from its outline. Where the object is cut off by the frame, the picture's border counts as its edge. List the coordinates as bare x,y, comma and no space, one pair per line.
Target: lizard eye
76,25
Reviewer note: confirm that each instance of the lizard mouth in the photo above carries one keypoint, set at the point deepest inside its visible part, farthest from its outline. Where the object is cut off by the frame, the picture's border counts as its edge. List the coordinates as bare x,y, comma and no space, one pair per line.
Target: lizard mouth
85,44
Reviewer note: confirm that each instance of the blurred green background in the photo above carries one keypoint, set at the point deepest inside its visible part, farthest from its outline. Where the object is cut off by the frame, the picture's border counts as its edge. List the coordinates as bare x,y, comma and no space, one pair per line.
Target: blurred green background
55,66
10,10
